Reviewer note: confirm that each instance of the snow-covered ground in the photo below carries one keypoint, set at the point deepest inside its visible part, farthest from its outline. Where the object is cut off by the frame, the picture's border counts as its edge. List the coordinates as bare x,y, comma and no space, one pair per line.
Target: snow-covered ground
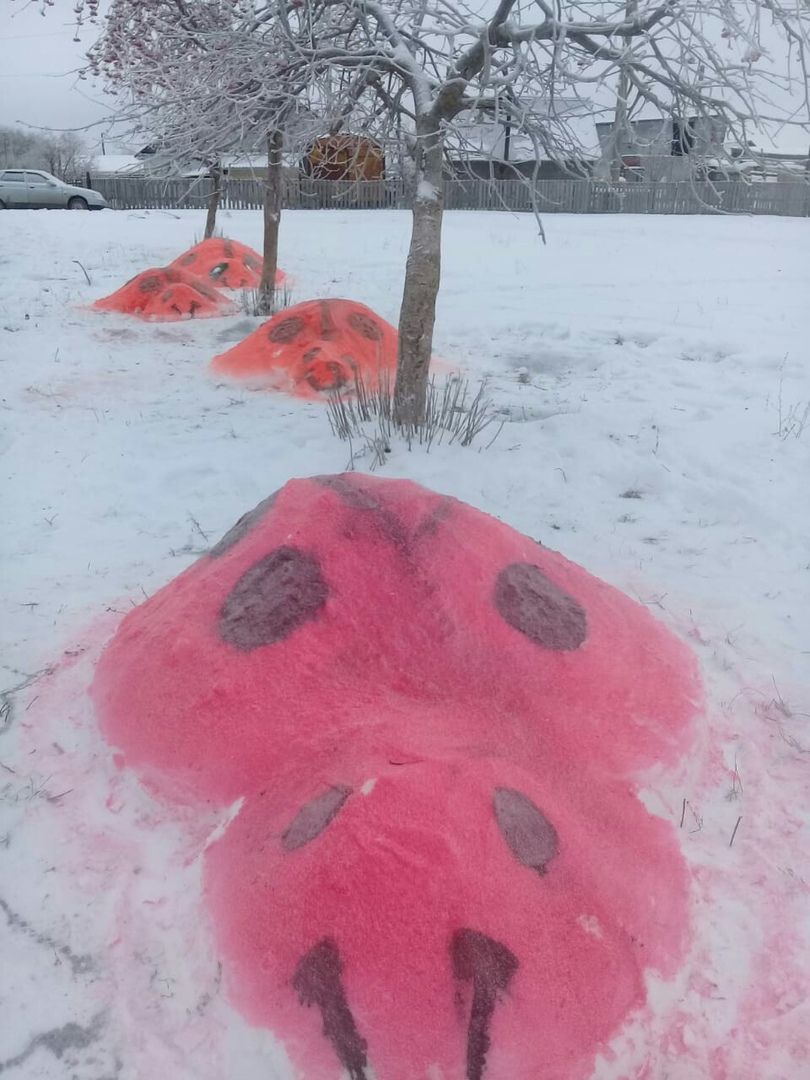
655,377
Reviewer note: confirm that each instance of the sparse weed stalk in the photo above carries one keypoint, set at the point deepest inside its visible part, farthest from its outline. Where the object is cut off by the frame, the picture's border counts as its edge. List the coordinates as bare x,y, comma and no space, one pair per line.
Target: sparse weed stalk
793,419
217,234
252,303
455,412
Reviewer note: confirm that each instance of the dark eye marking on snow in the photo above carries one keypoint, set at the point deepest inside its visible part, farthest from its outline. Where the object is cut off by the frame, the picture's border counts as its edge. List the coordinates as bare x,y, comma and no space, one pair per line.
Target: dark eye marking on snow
540,610
490,967
312,819
318,982
530,835
287,329
365,326
218,270
275,596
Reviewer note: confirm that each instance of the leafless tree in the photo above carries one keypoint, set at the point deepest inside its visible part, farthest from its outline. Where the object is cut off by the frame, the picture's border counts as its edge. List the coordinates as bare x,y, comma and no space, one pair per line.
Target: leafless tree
82,10
62,153
207,78
418,70
412,73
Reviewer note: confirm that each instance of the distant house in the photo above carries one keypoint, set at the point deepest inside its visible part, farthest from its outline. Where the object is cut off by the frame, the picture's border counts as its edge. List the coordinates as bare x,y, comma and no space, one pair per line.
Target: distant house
245,158
781,166
551,142
662,148
242,166
116,165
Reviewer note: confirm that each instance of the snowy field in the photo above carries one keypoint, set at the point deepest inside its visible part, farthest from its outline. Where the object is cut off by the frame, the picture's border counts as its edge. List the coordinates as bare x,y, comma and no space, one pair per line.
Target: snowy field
654,374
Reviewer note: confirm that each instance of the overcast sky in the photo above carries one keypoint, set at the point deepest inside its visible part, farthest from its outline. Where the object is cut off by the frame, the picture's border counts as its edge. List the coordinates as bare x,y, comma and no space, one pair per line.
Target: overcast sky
39,85
38,63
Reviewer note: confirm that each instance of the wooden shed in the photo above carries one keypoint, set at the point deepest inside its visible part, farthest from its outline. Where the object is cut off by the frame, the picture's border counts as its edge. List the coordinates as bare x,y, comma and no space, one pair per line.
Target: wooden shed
345,157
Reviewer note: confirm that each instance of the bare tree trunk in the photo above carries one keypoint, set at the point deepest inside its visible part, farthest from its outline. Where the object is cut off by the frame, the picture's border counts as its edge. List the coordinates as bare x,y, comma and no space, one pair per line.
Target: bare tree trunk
213,200
422,276
618,138
272,217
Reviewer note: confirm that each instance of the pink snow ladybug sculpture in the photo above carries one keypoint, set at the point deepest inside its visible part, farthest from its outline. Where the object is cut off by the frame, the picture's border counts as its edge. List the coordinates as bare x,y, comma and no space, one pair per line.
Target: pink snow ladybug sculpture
434,730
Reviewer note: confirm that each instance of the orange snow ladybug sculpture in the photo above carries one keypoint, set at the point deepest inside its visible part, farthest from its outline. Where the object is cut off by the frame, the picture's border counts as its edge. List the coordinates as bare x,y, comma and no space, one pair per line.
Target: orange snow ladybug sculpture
226,263
166,294
430,729
315,347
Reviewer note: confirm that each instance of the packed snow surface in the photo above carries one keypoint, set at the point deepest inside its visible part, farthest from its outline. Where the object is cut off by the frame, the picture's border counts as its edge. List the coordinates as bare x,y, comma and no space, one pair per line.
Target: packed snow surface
652,375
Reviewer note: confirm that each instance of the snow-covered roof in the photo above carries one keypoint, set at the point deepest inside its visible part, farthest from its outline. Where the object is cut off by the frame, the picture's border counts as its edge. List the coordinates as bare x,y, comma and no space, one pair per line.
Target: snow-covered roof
570,132
793,141
115,165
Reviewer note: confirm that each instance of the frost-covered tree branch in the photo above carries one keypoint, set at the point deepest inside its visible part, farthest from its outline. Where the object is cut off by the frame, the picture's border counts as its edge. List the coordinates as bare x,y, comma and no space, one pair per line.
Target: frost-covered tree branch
416,75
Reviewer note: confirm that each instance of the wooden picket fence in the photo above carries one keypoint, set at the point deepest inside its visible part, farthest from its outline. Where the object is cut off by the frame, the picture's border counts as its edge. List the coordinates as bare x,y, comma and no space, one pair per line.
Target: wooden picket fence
787,199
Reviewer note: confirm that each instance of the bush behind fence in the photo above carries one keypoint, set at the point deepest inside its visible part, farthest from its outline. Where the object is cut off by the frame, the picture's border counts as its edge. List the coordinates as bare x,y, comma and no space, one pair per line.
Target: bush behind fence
788,199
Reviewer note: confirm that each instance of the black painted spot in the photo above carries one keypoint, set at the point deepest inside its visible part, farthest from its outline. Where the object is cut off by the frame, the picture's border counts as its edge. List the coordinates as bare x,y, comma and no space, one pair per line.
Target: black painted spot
528,832
350,493
490,967
429,525
278,594
151,283
227,249
286,330
252,263
365,326
242,527
328,327
535,606
312,819
318,982
187,260
380,518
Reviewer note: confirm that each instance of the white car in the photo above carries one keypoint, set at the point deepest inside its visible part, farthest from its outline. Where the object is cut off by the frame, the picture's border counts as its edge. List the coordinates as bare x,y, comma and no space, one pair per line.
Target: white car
30,189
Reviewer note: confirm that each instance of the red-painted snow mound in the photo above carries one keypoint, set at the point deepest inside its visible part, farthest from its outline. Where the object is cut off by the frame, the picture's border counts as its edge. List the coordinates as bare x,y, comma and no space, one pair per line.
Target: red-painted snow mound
317,346
165,294
226,263
440,866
